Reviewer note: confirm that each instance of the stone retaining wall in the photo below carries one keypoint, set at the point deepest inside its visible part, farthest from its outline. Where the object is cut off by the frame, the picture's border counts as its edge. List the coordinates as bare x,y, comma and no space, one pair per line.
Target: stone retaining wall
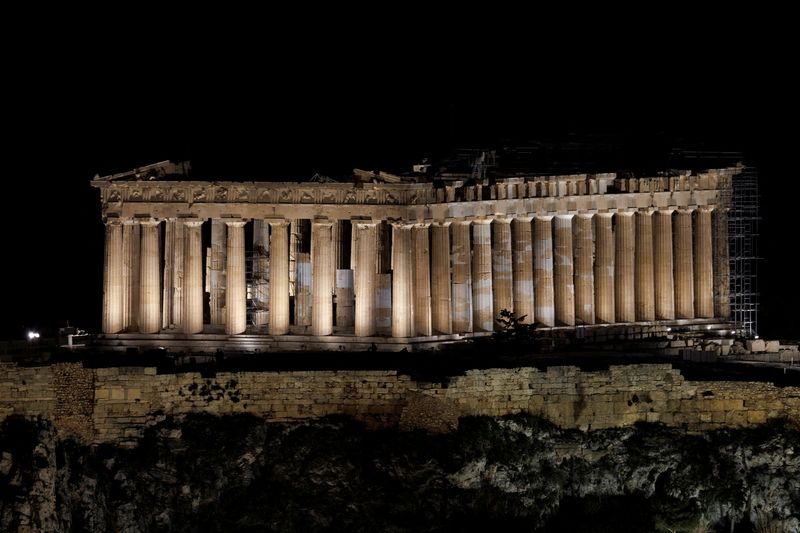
117,404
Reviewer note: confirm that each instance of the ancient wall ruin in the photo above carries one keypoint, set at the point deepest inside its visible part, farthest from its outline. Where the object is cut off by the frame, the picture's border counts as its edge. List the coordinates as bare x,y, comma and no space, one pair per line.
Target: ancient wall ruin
118,404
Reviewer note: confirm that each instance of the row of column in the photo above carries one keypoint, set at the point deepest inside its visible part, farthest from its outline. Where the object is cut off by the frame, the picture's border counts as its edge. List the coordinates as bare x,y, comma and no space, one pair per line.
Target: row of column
446,277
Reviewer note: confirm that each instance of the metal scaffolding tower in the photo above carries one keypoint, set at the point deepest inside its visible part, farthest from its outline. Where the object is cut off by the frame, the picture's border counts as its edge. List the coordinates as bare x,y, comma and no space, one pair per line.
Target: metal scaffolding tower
743,220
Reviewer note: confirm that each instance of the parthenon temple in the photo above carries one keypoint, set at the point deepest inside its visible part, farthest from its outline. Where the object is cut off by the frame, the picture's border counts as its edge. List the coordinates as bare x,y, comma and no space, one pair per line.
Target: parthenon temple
391,258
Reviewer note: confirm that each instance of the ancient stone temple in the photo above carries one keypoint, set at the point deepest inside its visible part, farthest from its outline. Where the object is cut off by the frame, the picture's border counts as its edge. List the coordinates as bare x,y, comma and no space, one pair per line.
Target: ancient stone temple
398,261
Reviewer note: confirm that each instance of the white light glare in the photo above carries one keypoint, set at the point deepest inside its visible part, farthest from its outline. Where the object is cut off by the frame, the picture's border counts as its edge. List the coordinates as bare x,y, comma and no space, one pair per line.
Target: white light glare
669,329
755,337
32,335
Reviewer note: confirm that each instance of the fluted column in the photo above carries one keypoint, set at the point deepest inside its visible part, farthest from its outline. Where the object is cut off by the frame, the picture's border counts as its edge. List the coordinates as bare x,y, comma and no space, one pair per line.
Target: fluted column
703,265
563,281
112,278
192,312
722,307
522,256
131,240
166,285
462,278
502,266
216,272
583,237
422,280
402,281
149,282
440,278
604,269
645,295
260,273
366,265
684,284
624,267
662,275
544,307
177,274
323,263
235,285
279,277
482,307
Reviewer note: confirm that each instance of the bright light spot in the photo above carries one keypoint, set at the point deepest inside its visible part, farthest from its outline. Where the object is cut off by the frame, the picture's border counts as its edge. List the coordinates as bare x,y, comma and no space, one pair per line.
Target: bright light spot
755,337
32,335
733,332
708,327
669,329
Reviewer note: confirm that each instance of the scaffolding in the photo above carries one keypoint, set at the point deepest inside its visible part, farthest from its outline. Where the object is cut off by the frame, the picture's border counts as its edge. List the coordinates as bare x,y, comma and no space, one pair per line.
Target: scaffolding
743,221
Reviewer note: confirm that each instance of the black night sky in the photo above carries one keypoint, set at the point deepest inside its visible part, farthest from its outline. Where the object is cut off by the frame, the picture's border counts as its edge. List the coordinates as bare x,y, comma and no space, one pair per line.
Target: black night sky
290,119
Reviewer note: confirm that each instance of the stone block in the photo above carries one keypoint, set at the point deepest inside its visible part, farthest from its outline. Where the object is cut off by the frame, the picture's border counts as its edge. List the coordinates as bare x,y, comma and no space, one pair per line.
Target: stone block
772,346
755,346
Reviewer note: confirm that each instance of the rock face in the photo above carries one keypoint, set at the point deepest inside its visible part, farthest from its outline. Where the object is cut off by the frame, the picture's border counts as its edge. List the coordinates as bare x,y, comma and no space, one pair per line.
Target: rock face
237,473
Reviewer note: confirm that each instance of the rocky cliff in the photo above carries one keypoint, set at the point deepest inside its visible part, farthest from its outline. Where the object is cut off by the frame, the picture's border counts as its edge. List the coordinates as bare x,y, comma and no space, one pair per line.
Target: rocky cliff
237,473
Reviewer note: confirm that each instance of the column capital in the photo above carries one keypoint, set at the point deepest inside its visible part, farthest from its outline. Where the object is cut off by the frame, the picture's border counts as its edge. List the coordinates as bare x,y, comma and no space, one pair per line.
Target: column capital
666,210
442,223
462,222
686,210
236,223
524,218
706,208
646,210
544,218
566,216
421,224
114,221
483,220
280,222
322,221
402,224
625,213
604,214
585,216
505,219
192,222
129,221
149,222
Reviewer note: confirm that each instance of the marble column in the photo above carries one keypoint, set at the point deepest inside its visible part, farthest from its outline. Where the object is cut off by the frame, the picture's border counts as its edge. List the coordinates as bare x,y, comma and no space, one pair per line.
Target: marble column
192,312
722,307
583,238
260,273
149,282
502,266
422,280
365,277
563,281
112,278
166,285
402,282
645,295
522,256
482,307
604,269
544,305
235,285
440,278
216,272
462,278
684,282
703,265
131,241
177,274
279,277
662,274
624,237
323,263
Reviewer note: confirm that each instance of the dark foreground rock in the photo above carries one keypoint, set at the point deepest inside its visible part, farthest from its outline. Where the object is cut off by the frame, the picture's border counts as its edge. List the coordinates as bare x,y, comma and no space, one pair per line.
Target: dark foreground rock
511,474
